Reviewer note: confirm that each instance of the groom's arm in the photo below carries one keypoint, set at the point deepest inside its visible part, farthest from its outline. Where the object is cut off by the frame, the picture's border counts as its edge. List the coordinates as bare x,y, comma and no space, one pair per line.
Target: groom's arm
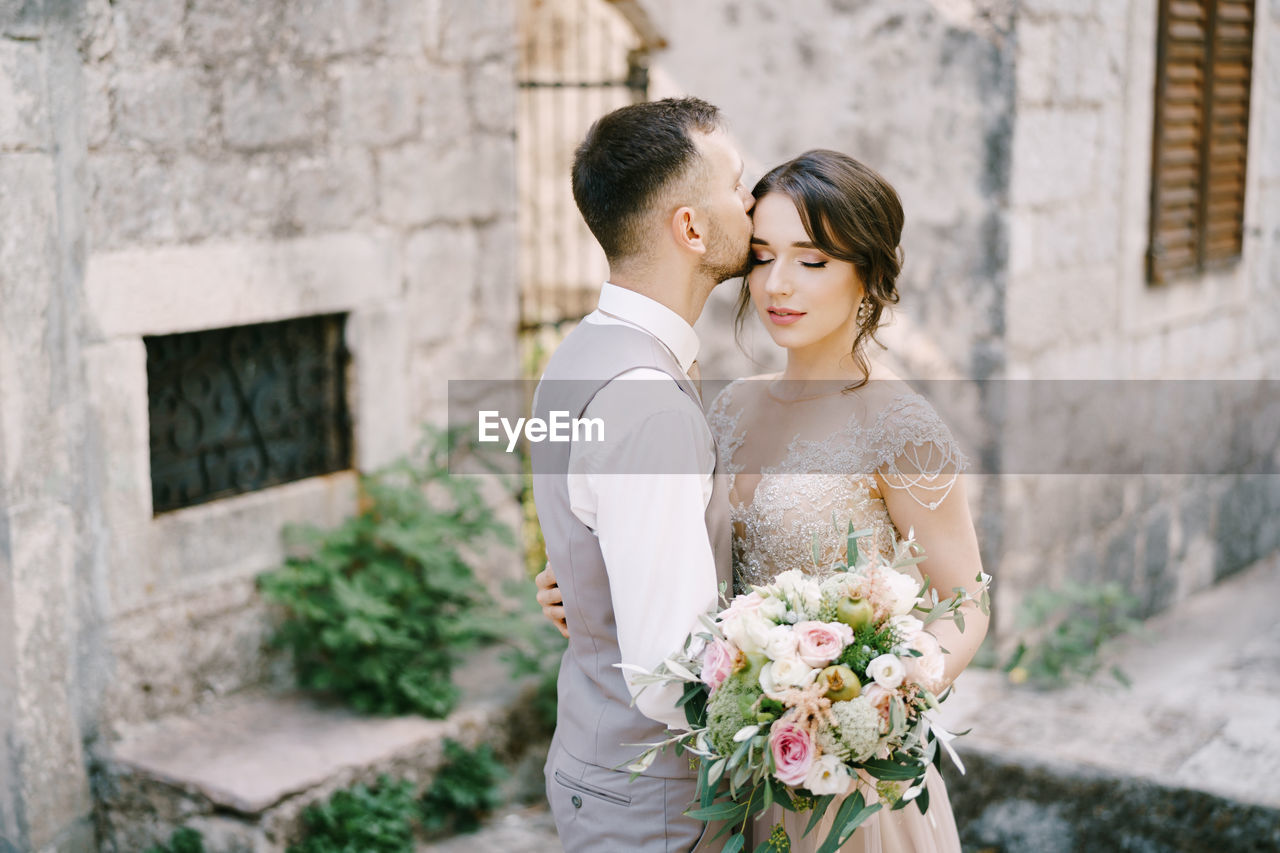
652,531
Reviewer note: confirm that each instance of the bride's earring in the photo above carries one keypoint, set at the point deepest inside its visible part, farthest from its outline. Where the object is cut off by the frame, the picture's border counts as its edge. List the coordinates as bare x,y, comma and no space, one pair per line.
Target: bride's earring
864,312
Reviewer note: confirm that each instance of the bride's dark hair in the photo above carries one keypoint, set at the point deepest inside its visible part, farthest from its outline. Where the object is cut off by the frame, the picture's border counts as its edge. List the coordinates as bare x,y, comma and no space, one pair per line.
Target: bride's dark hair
852,214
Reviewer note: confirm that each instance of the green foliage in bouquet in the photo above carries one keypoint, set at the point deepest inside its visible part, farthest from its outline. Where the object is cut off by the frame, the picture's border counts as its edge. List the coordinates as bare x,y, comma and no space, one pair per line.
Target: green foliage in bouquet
362,820
465,789
378,610
1066,631
731,708
869,642
183,840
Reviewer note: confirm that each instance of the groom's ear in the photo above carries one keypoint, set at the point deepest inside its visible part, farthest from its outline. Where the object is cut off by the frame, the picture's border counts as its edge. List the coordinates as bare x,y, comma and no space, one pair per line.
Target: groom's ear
688,231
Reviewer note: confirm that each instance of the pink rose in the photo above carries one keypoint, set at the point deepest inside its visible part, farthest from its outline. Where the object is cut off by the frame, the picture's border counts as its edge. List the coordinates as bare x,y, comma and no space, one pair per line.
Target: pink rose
741,606
929,669
792,753
718,661
880,699
819,643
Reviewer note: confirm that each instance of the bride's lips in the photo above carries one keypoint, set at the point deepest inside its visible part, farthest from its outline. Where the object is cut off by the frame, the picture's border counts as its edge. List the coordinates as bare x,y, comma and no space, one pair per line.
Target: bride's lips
784,316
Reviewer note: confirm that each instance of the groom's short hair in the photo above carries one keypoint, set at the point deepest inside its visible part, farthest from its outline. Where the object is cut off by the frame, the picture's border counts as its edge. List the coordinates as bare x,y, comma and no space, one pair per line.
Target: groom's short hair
629,156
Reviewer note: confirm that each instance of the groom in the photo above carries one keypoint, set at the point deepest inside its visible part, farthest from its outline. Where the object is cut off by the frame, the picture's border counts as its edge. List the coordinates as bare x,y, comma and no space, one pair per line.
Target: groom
637,557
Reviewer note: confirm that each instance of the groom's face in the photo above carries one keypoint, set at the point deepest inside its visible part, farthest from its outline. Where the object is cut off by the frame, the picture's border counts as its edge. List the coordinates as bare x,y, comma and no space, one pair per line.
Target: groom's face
727,203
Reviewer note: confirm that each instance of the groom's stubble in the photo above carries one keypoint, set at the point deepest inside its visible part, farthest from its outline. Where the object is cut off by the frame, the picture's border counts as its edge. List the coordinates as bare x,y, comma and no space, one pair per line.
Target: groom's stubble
726,256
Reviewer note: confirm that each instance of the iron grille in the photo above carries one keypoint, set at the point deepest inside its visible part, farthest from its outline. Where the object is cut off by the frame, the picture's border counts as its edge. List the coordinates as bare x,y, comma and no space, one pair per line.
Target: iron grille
240,409
579,59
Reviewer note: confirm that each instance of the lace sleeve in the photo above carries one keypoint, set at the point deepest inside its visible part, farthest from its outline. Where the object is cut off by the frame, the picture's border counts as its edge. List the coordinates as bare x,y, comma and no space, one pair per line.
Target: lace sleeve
722,417
916,452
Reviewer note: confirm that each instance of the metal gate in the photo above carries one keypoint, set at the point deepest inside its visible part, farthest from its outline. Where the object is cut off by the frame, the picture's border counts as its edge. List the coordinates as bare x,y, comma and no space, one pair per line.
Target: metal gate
579,59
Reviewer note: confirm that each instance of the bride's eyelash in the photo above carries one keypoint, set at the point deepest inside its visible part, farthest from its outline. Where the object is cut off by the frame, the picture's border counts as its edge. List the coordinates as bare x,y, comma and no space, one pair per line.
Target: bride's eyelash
816,265
759,262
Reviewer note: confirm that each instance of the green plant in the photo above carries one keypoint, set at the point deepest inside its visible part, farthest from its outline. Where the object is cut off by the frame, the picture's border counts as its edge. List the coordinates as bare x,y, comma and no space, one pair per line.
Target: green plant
464,791
183,840
535,547
536,348
362,820
534,648
1066,630
379,610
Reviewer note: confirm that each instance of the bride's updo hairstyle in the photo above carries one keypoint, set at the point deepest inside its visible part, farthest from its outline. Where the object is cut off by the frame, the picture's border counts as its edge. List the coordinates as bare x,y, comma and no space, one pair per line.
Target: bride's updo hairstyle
851,214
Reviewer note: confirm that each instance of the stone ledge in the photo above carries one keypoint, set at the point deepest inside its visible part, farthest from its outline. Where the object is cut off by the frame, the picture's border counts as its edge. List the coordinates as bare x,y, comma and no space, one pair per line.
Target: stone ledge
243,770
1183,760
171,289
1021,803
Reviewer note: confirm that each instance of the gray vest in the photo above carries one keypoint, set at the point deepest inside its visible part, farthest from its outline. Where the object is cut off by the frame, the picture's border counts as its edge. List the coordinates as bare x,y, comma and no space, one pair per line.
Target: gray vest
595,719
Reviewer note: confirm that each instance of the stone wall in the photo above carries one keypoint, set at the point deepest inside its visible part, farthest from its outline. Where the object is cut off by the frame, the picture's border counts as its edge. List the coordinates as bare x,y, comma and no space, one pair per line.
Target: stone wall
1079,306
44,531
169,167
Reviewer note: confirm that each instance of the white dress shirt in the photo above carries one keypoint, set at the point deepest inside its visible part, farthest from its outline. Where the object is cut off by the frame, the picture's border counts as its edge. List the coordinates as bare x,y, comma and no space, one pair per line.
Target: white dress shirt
651,527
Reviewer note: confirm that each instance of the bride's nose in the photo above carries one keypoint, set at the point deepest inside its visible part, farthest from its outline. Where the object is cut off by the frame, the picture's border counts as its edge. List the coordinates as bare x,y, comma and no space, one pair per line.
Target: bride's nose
777,283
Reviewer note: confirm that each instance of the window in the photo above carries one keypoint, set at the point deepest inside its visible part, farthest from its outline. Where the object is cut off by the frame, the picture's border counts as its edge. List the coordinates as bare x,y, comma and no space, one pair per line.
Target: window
1203,71
239,409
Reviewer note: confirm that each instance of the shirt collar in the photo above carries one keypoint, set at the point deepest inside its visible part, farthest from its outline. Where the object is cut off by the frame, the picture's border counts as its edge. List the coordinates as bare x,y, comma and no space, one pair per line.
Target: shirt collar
653,317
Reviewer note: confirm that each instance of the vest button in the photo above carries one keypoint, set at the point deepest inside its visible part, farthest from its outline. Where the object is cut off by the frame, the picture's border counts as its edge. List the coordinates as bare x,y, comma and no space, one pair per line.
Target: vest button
577,801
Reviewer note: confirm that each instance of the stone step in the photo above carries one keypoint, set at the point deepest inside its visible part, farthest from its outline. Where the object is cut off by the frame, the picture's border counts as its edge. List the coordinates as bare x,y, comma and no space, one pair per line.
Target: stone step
1184,759
242,770
527,829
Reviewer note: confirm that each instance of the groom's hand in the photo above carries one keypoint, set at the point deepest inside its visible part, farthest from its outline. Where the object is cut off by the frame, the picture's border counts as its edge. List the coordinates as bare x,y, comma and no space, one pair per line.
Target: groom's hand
551,600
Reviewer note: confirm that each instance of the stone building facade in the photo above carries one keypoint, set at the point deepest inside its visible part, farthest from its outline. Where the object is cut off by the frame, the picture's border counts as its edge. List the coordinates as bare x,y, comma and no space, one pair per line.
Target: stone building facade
169,167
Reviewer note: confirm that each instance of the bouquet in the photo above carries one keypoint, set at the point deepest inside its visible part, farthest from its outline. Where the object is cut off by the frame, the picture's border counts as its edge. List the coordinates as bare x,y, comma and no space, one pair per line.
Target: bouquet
802,691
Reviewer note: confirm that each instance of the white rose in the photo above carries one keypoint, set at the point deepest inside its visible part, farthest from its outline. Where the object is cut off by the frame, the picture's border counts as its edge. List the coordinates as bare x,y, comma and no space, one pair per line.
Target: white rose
780,676
749,632
781,644
828,775
774,609
780,585
906,591
801,591
929,669
906,627
887,671
895,591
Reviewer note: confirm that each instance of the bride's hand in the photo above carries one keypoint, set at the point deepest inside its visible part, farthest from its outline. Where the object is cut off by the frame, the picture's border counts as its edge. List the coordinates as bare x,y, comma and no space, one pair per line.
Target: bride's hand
551,600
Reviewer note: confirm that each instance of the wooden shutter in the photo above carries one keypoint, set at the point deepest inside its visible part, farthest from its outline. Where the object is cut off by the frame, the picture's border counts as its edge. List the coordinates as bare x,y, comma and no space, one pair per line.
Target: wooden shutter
1204,66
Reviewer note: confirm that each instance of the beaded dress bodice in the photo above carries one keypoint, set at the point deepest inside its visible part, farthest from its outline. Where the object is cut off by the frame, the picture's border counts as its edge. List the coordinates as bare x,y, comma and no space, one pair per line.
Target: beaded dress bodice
796,470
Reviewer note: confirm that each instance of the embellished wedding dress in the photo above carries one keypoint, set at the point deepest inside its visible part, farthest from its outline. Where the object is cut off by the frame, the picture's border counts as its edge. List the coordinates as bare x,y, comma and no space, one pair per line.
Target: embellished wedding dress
800,465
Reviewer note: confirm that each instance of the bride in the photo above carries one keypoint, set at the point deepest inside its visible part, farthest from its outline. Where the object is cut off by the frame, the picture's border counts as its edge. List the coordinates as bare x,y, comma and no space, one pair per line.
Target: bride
835,438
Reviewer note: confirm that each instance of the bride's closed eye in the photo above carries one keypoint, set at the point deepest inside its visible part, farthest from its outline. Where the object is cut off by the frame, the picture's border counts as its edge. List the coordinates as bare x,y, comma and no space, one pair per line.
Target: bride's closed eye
813,265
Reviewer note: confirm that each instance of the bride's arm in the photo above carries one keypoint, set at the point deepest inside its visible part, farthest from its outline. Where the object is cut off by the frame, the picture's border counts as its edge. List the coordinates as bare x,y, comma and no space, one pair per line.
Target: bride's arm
551,599
952,560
